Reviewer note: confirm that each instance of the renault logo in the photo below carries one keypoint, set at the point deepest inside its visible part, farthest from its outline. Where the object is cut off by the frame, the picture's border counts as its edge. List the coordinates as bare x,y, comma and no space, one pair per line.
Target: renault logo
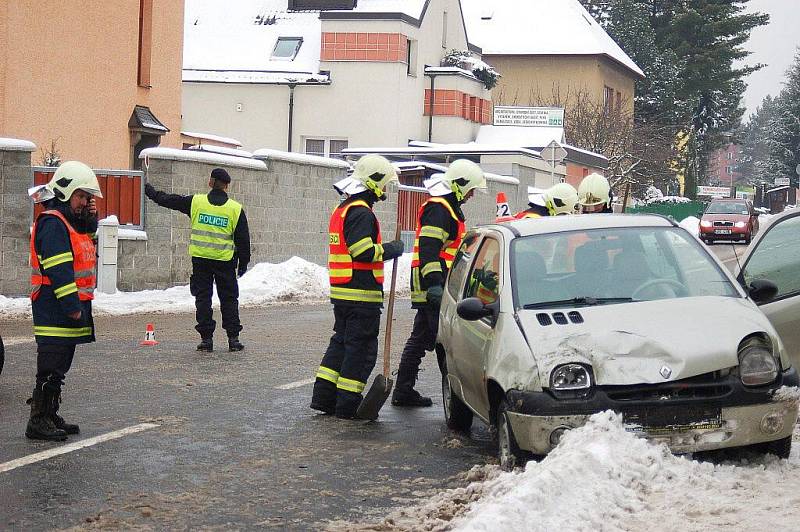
665,372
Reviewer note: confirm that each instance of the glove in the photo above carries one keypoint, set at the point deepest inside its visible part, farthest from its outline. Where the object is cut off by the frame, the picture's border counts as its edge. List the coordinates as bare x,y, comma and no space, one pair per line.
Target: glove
434,295
393,249
242,270
149,191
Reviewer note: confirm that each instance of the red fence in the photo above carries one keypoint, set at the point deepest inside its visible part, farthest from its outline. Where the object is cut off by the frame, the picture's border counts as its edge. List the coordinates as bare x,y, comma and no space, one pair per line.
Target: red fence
122,193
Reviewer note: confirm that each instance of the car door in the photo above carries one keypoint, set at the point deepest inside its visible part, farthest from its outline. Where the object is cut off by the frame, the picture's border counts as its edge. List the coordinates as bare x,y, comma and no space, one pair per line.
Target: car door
775,256
472,338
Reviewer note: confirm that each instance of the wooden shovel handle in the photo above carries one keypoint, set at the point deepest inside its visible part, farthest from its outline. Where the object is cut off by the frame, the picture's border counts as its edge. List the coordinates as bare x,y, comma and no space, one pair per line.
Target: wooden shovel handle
387,340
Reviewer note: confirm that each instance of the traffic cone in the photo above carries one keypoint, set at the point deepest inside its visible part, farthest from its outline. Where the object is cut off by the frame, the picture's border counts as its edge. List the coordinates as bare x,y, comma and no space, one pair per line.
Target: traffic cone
503,210
149,336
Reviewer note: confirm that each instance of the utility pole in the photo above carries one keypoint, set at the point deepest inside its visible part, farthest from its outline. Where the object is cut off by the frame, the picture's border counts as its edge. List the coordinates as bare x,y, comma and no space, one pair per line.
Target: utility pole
292,85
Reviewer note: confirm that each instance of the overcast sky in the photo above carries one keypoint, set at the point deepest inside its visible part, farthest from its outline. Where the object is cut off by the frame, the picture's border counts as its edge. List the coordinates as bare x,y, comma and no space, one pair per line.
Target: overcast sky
775,45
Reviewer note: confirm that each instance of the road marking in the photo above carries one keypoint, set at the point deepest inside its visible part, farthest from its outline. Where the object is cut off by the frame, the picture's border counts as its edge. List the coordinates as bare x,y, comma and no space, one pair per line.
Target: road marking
15,340
88,442
295,384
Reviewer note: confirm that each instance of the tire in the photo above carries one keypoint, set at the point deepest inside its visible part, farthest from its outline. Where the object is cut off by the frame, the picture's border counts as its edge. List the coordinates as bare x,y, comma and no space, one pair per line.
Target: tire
780,448
508,452
456,414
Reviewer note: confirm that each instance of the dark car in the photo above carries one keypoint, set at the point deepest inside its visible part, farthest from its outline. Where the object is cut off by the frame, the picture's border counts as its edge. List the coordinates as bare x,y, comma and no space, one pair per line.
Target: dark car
729,219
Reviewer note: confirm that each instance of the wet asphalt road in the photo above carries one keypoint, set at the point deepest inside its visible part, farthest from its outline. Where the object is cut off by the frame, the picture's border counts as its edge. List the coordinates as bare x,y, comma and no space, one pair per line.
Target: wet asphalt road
231,450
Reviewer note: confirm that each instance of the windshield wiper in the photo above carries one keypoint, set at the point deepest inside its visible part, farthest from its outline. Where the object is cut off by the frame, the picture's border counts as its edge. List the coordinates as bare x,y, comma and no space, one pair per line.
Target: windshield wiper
578,301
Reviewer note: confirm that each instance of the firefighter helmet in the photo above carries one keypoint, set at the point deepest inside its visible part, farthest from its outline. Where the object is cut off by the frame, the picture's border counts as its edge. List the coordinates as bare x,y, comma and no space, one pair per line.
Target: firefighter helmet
561,198
72,176
593,191
463,176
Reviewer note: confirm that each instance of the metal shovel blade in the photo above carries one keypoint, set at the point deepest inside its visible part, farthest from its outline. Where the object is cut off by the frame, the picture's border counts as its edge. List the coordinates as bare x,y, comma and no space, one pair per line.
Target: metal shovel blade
376,396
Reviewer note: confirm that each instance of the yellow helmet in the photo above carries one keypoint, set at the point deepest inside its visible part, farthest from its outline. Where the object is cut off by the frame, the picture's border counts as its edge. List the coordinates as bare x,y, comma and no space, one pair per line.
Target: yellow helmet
374,172
463,176
594,190
72,176
561,198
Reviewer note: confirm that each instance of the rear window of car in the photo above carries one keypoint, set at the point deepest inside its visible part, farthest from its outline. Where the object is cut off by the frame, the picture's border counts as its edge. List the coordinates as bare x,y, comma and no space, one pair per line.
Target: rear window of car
614,266
727,207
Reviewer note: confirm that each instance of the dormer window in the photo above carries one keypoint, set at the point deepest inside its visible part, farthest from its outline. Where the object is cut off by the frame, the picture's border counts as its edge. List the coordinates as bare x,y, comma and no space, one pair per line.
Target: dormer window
286,48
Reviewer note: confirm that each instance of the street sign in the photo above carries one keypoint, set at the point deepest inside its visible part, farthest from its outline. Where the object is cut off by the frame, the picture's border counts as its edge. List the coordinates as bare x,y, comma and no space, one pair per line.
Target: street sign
553,153
506,115
781,181
714,192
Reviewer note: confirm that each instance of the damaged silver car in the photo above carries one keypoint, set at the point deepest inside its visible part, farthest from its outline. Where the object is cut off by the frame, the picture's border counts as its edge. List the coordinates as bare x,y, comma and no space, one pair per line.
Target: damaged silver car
547,321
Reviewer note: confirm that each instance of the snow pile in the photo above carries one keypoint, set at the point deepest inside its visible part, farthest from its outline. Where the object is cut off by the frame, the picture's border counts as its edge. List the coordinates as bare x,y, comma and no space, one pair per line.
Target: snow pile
691,224
266,283
669,199
652,194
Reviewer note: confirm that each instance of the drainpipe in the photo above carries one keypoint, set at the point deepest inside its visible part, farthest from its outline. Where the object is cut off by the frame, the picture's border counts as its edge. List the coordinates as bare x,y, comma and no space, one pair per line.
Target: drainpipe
292,85
430,116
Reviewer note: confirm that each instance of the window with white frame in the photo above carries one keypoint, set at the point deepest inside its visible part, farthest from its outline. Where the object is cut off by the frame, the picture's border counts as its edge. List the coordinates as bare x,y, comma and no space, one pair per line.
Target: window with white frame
325,147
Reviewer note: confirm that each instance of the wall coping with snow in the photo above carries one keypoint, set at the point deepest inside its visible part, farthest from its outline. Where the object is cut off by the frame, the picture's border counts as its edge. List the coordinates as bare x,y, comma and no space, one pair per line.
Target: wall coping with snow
8,144
174,154
300,158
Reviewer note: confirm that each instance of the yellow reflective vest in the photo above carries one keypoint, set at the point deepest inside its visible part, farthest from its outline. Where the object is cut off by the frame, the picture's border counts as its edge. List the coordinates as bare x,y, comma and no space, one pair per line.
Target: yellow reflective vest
213,227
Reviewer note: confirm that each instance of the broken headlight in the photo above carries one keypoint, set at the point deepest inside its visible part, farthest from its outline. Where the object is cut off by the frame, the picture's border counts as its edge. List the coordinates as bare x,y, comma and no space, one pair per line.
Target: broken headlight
571,381
757,364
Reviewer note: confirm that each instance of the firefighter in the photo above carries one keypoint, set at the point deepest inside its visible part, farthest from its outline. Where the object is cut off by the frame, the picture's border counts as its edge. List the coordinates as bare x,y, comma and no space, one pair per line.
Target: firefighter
220,239
355,263
537,206
594,194
63,259
440,228
561,198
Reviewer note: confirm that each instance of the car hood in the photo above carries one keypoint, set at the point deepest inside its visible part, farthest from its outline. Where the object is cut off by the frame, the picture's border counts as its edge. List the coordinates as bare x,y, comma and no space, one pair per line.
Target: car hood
631,343
726,217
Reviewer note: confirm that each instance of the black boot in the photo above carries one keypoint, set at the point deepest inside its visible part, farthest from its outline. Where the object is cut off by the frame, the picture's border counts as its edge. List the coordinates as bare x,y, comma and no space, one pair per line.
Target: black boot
404,393
324,397
58,421
234,344
206,344
40,425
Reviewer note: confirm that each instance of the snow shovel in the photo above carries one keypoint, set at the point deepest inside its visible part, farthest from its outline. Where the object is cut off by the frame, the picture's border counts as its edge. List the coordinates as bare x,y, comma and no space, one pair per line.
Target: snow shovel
382,385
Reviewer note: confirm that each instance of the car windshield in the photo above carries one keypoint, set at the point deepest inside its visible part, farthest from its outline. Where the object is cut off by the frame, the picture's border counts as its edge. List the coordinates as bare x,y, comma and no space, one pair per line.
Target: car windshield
612,266
727,207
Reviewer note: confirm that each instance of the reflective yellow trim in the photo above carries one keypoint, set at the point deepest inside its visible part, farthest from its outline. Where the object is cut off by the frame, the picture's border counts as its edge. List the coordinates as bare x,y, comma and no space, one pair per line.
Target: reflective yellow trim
431,231
55,260
339,258
66,290
430,268
378,253
353,294
360,247
350,385
418,295
64,332
340,272
328,374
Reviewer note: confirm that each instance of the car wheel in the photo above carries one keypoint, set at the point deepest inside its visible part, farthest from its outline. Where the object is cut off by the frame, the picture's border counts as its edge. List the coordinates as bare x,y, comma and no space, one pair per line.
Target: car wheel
456,414
780,448
508,452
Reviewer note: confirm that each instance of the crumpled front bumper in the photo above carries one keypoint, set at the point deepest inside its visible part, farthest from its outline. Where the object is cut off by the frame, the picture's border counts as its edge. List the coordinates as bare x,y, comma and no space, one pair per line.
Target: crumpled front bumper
745,418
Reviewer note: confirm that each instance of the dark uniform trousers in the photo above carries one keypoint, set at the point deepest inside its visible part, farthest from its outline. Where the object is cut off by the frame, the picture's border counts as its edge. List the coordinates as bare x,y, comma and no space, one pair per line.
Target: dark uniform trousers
422,339
352,353
52,364
205,273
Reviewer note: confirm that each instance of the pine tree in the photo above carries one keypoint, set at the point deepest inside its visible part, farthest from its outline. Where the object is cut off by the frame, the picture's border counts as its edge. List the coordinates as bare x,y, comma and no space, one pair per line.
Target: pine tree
784,142
755,139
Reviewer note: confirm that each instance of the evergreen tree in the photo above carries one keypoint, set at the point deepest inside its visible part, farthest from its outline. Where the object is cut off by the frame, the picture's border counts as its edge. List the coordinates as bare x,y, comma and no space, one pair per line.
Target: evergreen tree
755,139
784,141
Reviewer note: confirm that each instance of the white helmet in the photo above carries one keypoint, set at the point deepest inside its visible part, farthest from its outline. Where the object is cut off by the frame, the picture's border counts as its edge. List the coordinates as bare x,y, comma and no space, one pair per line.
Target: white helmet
72,176
371,172
594,190
536,197
463,176
561,198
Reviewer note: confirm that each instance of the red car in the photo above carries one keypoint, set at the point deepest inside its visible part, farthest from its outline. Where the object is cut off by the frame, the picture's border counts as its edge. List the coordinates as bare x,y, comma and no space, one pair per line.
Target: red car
729,219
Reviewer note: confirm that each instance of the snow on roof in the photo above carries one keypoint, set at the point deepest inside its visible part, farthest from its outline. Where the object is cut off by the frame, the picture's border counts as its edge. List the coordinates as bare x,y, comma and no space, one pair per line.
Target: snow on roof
539,27
221,38
412,8
519,136
209,136
7,144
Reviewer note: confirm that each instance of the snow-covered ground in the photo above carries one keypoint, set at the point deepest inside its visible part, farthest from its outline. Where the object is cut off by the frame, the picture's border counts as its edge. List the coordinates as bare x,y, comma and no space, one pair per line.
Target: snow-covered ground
265,283
601,477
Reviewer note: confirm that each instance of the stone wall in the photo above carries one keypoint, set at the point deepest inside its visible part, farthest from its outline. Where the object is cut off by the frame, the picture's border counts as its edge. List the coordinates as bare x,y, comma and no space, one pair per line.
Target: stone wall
15,216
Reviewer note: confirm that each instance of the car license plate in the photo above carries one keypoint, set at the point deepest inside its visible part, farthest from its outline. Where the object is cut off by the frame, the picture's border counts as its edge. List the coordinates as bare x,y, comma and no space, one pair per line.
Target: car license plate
722,231
670,419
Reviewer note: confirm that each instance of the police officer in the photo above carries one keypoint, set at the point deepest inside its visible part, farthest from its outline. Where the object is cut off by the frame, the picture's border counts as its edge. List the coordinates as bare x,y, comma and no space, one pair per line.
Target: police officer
440,228
594,194
355,264
220,238
536,205
63,260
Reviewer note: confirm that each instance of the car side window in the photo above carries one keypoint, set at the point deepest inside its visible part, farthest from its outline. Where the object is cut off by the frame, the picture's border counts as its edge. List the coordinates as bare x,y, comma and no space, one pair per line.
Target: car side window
461,262
777,259
484,278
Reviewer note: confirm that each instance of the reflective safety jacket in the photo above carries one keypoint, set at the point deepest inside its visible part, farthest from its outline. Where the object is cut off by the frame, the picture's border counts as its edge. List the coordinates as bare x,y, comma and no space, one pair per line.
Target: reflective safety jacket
213,227
355,254
440,229
63,264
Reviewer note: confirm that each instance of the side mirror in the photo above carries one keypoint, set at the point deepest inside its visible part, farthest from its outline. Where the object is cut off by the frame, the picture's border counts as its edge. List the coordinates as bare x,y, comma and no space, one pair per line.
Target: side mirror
473,309
762,290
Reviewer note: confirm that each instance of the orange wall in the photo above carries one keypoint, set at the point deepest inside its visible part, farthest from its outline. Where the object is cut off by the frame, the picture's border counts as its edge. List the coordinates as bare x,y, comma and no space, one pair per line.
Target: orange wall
69,73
